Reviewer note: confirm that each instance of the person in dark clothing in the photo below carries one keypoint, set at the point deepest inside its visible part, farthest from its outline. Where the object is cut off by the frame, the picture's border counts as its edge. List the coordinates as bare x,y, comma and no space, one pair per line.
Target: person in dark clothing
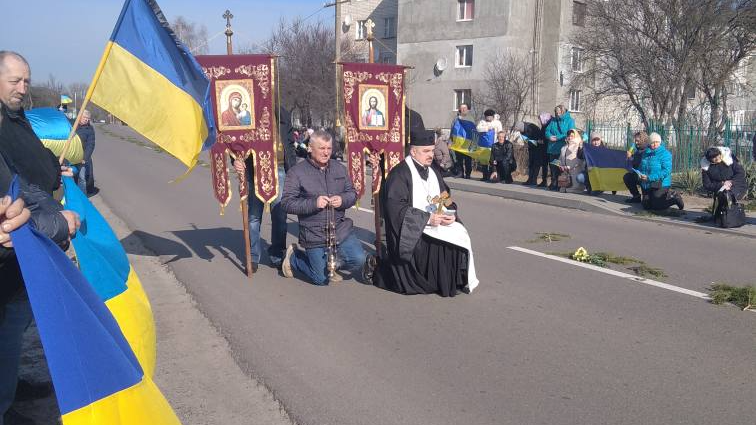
22,154
537,154
635,153
314,189
502,158
86,133
721,172
428,249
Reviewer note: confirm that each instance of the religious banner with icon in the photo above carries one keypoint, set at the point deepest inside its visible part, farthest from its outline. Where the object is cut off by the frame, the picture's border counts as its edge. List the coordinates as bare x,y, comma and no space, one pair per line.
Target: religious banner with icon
243,97
373,117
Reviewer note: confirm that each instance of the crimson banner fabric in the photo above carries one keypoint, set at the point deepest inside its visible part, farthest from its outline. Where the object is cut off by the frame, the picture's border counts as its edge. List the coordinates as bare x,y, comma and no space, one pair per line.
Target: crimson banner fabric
243,102
374,117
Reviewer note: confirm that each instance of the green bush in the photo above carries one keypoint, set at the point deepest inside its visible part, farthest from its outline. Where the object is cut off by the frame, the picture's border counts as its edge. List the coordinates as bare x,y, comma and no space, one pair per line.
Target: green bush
688,181
751,180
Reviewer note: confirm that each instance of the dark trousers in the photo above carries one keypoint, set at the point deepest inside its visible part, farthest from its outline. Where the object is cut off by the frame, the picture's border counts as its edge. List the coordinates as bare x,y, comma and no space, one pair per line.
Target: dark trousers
486,170
632,182
554,170
538,160
659,199
504,171
463,164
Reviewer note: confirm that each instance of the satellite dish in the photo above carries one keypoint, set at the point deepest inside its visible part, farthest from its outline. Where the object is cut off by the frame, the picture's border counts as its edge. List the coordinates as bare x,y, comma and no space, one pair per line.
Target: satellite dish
347,20
441,64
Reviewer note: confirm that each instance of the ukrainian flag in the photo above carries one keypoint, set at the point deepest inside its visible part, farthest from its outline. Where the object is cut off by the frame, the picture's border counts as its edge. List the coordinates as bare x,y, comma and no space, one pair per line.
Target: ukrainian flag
150,80
104,264
606,167
467,141
96,376
52,128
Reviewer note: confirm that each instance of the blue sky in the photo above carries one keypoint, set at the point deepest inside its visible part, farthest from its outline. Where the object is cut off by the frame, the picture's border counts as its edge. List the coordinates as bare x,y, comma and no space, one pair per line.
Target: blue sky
67,38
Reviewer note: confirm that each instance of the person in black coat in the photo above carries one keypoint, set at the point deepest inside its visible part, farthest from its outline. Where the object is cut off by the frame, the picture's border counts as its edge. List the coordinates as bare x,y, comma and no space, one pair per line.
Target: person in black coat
635,154
502,158
537,155
721,173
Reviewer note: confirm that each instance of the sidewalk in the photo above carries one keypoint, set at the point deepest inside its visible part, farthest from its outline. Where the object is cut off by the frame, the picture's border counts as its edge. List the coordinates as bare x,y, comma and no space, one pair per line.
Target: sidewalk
603,204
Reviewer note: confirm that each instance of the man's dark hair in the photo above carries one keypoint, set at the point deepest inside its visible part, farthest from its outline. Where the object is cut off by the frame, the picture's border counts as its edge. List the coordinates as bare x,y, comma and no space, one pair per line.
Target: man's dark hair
489,113
712,153
6,53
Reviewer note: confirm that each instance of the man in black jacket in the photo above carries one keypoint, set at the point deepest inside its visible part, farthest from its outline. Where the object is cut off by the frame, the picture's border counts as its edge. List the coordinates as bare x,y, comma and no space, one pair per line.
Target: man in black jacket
86,133
538,158
22,154
319,190
632,182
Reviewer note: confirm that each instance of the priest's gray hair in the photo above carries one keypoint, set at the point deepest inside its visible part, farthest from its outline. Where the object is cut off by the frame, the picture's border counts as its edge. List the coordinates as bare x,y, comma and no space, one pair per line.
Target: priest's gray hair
8,53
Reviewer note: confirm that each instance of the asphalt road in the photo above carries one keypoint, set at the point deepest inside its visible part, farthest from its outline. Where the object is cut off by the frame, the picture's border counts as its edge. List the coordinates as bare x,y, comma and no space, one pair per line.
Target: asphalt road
539,342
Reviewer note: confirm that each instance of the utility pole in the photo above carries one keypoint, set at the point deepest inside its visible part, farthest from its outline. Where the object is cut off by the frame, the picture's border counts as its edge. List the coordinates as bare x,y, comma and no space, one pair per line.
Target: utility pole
337,31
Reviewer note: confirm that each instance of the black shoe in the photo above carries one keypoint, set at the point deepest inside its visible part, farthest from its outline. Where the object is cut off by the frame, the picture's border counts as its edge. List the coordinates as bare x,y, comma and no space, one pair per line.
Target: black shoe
26,391
679,202
542,184
14,417
633,200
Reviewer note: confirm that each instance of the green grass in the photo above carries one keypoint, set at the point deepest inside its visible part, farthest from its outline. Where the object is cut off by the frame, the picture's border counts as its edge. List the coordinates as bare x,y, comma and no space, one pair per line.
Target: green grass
743,296
549,237
688,181
603,259
644,270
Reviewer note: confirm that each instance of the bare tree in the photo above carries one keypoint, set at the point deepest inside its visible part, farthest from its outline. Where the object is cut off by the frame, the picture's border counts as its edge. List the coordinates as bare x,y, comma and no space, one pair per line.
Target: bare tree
193,35
651,52
306,52
509,80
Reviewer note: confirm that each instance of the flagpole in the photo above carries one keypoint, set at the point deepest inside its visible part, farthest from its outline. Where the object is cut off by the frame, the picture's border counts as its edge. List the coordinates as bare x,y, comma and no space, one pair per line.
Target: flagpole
85,102
244,203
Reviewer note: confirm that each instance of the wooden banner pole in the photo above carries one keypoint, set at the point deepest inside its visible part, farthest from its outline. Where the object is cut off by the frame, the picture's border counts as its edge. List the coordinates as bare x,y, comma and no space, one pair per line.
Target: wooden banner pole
244,202
369,25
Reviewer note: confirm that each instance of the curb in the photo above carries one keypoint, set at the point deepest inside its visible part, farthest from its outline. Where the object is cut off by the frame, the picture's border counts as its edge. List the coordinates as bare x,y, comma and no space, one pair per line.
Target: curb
577,204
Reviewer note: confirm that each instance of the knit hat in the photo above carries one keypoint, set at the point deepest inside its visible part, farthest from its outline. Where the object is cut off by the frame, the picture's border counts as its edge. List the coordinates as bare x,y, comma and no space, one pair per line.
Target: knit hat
654,137
595,135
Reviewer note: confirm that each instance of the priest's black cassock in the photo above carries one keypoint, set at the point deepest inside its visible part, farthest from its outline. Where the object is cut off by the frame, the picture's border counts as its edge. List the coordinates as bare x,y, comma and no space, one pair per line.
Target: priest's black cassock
416,262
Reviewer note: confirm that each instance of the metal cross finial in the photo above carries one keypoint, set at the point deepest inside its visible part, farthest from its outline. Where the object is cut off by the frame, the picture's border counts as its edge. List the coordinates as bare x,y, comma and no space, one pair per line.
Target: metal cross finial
369,25
228,16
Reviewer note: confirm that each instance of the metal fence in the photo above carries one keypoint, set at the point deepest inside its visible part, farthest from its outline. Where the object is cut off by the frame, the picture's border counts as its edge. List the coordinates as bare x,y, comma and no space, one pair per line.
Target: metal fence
687,143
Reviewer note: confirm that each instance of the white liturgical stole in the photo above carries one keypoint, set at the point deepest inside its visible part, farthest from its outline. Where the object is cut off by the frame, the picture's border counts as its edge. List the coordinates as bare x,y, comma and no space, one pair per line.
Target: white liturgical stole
422,192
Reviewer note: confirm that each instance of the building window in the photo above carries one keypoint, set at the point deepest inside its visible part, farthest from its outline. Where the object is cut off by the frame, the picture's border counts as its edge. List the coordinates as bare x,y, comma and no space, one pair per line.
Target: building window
360,30
578,13
577,59
386,57
575,100
690,92
389,27
462,96
464,56
466,10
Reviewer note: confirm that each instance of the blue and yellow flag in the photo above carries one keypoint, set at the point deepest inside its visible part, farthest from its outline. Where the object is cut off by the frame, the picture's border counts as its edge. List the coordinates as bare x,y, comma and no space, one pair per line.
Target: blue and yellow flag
606,167
467,141
104,264
97,378
65,100
52,128
149,80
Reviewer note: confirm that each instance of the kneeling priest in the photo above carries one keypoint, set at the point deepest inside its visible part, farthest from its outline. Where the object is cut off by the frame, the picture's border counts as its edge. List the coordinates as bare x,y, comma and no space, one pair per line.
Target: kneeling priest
429,250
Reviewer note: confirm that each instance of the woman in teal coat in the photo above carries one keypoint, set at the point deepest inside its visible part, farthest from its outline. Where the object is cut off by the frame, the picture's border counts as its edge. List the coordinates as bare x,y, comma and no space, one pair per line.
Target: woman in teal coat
556,134
655,173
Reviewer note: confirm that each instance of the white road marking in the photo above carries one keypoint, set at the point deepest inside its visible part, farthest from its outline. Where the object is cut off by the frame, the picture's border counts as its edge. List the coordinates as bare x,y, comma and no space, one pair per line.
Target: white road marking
628,276
365,210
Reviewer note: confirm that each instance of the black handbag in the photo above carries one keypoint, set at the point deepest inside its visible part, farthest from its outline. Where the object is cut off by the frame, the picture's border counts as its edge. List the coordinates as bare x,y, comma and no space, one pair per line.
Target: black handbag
732,213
